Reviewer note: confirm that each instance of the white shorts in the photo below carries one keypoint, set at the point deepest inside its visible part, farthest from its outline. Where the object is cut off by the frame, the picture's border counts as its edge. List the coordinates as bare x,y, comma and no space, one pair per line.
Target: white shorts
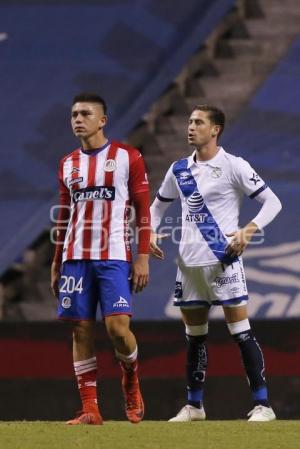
218,284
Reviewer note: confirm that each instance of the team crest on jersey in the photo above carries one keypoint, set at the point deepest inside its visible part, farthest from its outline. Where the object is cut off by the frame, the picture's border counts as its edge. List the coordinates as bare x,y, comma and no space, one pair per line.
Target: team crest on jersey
216,172
110,165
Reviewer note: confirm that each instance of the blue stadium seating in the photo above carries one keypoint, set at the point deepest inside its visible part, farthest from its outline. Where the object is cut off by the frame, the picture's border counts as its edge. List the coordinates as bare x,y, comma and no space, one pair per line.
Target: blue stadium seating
128,51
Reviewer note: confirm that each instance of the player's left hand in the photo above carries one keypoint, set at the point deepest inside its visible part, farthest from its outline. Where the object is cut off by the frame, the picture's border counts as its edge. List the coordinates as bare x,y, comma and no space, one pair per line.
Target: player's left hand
240,239
140,273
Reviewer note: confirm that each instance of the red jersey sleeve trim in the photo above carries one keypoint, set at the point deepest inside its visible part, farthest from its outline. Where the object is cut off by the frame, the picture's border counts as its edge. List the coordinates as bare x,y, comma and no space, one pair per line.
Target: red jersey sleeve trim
141,202
62,220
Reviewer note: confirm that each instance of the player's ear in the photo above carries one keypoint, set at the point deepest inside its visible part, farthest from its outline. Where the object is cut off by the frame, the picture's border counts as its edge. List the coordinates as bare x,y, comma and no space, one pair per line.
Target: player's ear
216,130
102,121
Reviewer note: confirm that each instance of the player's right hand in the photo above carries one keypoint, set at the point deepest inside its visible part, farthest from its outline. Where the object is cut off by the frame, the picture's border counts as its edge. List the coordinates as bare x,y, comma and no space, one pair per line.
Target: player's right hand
155,250
55,276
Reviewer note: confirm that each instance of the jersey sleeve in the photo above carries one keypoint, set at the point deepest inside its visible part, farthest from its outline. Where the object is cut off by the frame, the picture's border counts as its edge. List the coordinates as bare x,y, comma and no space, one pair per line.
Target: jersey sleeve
138,179
63,216
168,190
246,179
271,206
141,203
64,193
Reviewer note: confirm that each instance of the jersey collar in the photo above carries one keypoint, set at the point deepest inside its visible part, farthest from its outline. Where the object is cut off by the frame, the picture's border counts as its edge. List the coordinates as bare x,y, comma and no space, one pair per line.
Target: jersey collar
95,151
214,162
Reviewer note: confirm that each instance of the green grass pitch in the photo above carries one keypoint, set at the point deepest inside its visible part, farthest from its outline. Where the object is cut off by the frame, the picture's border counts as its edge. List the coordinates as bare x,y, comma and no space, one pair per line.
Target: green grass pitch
151,435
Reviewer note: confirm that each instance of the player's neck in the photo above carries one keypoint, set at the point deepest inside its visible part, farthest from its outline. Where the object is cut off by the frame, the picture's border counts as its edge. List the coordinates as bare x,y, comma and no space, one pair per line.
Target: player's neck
206,152
93,142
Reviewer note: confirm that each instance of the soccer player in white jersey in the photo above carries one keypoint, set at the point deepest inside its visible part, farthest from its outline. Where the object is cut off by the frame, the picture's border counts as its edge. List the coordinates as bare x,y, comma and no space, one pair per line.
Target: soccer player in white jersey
92,264
210,184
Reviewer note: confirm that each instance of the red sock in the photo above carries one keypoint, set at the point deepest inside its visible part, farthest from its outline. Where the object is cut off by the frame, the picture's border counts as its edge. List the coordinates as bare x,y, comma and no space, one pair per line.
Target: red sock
130,373
86,374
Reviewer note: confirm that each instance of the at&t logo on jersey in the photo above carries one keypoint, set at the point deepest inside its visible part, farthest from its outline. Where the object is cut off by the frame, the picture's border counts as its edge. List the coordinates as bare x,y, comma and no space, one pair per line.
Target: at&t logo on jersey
121,303
195,203
94,193
196,218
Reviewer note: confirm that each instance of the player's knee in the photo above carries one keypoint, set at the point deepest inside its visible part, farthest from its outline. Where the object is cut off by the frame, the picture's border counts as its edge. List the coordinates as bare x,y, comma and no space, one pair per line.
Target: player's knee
196,334
117,326
118,336
240,331
83,331
117,331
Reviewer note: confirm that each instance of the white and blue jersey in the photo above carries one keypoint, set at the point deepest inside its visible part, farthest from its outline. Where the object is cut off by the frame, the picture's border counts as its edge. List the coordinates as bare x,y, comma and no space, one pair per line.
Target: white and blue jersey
211,195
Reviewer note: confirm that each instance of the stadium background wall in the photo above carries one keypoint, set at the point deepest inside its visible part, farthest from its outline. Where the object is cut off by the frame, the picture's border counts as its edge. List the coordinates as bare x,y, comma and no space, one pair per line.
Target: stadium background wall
37,383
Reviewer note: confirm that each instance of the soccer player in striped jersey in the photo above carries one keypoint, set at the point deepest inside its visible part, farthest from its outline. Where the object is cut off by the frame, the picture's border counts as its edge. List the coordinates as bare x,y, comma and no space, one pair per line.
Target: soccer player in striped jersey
210,184
99,182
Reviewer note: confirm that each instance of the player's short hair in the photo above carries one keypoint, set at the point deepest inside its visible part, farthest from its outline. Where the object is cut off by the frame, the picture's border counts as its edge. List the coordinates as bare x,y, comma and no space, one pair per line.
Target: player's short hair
90,97
216,115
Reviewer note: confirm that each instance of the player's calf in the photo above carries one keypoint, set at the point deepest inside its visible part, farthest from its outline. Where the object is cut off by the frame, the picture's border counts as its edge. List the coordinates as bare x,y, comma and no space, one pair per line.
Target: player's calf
197,361
253,361
86,375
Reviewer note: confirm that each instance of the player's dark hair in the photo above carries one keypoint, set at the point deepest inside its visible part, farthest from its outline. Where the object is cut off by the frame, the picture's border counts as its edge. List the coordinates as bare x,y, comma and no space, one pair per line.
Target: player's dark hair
90,97
216,115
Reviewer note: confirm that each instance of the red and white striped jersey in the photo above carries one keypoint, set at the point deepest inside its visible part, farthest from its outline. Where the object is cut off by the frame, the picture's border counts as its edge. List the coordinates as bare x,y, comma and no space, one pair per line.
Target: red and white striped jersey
99,187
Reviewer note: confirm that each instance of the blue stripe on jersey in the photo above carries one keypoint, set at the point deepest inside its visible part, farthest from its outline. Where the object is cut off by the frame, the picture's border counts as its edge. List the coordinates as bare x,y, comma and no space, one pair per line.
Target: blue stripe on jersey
162,198
258,191
206,223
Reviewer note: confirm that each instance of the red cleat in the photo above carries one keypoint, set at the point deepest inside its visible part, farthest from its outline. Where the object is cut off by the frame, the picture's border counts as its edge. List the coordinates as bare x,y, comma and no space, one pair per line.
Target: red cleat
134,405
91,418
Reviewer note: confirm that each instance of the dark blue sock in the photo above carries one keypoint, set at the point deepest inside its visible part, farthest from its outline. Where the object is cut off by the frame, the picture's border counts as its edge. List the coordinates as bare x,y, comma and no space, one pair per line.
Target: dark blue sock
196,369
254,365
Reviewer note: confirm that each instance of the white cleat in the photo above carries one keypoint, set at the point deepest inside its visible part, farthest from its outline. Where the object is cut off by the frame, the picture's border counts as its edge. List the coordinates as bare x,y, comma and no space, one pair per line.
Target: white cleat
260,413
189,413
